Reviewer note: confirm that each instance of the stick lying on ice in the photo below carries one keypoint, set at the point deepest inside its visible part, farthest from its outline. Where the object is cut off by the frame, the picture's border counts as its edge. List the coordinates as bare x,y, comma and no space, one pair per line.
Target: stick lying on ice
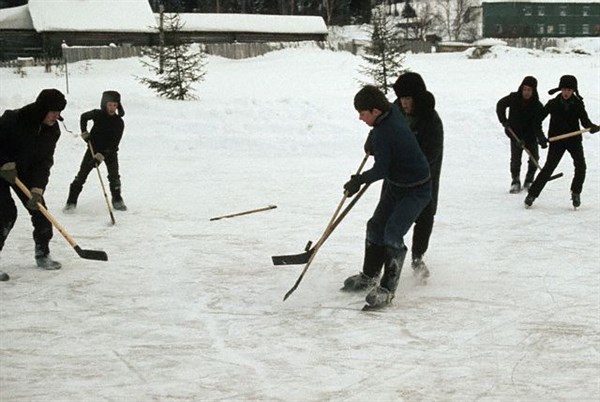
244,213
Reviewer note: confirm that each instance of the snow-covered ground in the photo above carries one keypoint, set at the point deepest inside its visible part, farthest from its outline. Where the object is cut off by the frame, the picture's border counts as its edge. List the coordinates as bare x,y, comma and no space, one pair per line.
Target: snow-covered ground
189,309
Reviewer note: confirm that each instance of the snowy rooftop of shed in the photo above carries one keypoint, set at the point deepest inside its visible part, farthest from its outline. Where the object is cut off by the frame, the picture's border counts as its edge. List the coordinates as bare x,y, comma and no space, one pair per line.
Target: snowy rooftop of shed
293,24
92,15
15,18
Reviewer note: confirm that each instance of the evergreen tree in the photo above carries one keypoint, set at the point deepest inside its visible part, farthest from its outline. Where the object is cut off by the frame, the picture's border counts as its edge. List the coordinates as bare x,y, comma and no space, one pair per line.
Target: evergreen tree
384,55
181,65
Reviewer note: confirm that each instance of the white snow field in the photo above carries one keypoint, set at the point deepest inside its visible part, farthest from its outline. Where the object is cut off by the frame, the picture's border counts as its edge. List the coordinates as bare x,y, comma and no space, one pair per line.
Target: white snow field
191,310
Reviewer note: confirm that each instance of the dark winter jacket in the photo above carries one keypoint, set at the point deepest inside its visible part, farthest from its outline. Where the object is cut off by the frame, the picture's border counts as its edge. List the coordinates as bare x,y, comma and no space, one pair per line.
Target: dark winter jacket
522,116
398,157
565,116
29,143
106,132
427,127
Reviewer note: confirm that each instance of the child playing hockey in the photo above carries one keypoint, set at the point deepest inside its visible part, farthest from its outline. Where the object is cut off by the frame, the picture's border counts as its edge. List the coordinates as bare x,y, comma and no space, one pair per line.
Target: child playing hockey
104,139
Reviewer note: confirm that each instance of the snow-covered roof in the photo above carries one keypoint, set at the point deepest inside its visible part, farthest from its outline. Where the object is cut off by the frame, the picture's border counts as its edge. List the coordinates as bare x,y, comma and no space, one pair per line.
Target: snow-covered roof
15,18
542,1
293,24
92,15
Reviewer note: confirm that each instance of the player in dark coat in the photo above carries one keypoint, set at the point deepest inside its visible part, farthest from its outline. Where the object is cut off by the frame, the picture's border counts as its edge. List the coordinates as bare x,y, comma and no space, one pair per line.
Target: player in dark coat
418,107
524,108
400,162
104,137
566,111
28,138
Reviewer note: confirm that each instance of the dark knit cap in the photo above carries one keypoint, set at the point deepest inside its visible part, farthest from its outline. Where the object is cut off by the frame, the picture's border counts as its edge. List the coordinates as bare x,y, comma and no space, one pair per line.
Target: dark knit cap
112,96
370,97
51,100
566,81
409,84
530,82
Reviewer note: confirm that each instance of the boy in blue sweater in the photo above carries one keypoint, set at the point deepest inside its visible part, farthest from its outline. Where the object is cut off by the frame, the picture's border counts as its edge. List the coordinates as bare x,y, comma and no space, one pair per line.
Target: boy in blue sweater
403,167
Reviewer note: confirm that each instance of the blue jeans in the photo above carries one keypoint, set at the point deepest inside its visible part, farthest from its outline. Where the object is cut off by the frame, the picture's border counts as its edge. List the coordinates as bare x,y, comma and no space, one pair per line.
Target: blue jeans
397,210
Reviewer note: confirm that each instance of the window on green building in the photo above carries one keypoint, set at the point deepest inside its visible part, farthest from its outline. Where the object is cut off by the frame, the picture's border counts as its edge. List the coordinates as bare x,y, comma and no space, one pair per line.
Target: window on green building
585,29
527,10
586,11
541,11
562,29
550,29
563,11
540,29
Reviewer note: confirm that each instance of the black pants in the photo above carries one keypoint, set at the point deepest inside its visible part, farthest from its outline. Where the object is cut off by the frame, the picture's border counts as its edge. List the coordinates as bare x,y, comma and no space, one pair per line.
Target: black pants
422,230
42,228
516,154
555,154
87,164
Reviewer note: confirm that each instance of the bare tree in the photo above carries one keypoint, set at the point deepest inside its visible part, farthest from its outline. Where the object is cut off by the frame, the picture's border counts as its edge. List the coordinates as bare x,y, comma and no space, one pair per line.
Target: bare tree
457,17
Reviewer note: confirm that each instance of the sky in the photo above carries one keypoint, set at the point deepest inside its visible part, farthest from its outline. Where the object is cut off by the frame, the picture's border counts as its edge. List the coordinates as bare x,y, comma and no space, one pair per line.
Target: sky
191,309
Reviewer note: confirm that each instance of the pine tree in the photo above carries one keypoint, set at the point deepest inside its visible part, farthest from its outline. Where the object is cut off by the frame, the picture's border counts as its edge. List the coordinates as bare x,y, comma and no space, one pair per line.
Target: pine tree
181,65
384,55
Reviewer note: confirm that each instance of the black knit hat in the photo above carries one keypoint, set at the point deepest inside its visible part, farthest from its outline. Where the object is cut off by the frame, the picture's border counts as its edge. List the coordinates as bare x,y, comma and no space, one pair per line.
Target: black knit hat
51,100
112,96
409,84
529,81
566,81
370,97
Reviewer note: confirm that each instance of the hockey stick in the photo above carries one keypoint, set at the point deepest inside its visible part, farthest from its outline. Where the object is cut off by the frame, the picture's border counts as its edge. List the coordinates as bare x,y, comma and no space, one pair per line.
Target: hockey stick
327,233
244,213
531,157
91,148
283,260
567,135
87,254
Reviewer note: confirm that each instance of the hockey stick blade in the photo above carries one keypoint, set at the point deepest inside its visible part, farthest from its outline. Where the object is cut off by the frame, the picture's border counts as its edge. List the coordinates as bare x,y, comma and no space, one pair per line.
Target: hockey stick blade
91,254
556,176
293,259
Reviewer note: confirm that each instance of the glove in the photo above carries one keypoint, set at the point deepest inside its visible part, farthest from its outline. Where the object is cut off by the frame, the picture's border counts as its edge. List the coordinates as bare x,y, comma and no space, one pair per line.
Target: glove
543,142
99,157
36,196
595,128
8,172
369,147
85,136
352,186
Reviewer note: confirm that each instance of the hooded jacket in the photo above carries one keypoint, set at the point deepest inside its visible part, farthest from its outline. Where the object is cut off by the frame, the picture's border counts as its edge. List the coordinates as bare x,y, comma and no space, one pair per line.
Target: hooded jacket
523,116
24,139
428,129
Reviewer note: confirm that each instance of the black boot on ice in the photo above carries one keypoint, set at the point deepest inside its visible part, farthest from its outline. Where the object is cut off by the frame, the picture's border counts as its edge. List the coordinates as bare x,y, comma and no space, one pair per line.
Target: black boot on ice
372,264
383,294
43,259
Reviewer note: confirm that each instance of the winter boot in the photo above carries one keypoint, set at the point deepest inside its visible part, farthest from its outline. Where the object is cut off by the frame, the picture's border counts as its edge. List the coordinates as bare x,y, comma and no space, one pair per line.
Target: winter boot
117,200
43,259
527,185
515,187
372,263
385,292
74,191
420,270
4,276
576,200
529,200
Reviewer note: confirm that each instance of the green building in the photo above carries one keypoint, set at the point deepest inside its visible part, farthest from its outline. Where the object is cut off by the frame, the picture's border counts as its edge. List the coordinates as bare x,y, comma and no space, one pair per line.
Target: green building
540,18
